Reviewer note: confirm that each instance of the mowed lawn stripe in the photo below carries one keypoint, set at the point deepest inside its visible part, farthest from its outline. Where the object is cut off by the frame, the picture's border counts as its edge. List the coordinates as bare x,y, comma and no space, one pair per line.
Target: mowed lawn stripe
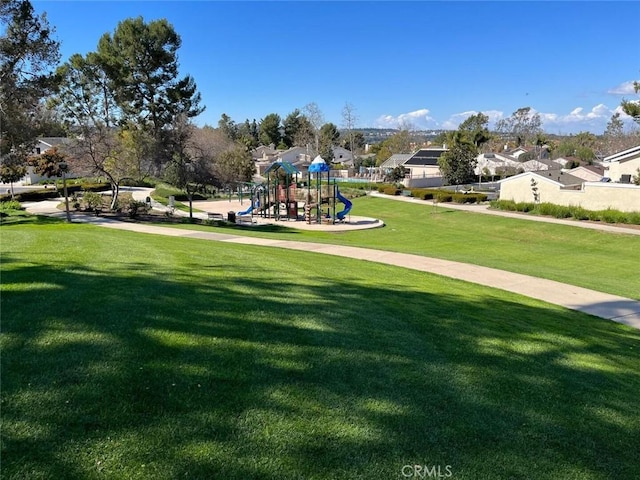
159,357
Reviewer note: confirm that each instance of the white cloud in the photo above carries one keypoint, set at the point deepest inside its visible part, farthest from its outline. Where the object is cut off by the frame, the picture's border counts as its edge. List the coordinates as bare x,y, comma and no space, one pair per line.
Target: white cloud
418,119
579,119
625,88
456,119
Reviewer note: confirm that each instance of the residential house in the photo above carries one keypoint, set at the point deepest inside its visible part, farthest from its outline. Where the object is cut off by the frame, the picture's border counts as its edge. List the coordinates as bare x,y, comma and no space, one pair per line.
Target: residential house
394,160
342,155
623,166
423,168
264,153
588,173
42,145
300,157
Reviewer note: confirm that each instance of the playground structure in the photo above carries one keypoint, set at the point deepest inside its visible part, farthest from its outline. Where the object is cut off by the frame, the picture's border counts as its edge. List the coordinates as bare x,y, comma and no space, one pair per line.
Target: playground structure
326,194
283,195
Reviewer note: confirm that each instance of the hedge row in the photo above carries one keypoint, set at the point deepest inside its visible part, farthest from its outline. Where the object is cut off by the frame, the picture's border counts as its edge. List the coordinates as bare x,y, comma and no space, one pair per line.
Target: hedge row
561,211
443,196
45,193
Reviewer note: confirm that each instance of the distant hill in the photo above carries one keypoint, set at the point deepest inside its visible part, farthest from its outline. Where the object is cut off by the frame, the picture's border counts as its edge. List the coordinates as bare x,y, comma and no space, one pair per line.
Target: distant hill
377,135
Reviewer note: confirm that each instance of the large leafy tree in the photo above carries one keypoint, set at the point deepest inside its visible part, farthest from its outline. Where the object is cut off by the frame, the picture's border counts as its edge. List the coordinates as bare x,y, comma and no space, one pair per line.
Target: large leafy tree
521,127
457,164
28,56
228,126
232,166
329,136
270,130
400,142
187,170
86,103
476,129
140,61
51,163
248,134
298,131
615,138
631,107
12,169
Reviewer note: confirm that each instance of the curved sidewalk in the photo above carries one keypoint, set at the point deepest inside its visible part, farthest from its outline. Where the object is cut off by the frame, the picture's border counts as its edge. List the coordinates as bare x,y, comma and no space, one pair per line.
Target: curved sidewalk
484,209
603,305
611,307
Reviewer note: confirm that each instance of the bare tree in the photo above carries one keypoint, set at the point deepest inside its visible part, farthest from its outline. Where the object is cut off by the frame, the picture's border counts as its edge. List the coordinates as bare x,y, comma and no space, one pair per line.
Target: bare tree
313,113
349,120
521,127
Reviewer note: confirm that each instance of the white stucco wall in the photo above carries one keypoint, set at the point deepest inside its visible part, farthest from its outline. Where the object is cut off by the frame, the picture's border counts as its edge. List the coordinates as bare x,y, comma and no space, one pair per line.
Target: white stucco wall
592,195
616,169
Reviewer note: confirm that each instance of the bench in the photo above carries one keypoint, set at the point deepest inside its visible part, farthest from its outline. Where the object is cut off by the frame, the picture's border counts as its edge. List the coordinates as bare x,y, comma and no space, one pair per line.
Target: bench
245,219
215,216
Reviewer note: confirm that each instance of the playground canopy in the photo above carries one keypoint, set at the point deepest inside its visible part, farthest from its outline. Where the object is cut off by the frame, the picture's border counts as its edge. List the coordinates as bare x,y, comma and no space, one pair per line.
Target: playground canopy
288,168
318,165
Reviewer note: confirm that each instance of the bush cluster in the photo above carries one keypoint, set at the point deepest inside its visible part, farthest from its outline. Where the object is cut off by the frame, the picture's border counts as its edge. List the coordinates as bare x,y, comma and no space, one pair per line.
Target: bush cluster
10,205
31,196
166,192
561,211
439,195
87,187
391,191
133,208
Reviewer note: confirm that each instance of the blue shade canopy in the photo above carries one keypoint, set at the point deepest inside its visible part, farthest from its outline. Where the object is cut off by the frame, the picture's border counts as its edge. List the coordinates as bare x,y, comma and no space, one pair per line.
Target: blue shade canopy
318,165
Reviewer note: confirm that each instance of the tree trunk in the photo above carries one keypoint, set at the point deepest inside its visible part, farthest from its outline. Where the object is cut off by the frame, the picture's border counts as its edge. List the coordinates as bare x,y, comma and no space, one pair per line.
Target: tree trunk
115,190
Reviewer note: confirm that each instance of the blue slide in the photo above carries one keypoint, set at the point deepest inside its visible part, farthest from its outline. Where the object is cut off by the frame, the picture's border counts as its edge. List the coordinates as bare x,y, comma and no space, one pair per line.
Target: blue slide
250,209
347,206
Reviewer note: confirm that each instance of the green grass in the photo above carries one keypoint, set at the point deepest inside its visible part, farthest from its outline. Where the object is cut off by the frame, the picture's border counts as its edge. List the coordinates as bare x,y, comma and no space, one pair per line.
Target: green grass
592,259
138,356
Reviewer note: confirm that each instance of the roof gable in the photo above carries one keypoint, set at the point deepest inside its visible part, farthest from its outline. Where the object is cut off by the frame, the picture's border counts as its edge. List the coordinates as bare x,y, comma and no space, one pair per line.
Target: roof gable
556,177
625,155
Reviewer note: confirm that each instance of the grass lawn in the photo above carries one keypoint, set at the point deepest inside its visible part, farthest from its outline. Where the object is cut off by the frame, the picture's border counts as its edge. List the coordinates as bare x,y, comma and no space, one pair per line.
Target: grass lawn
602,261
138,356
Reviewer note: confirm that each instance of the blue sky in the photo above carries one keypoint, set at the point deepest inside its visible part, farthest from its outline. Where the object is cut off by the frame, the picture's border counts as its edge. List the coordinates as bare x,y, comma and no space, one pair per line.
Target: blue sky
428,64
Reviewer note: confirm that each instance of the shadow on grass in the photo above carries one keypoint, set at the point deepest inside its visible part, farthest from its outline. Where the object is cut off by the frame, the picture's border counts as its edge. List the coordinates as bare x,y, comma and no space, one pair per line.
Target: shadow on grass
24,218
211,371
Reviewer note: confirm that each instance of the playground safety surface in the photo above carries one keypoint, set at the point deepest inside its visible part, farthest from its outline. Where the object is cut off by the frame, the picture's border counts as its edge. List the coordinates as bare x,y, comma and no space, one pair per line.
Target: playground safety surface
352,222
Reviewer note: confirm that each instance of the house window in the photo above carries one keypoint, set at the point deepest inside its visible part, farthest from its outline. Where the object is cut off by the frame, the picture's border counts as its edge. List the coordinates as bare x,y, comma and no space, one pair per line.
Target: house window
37,150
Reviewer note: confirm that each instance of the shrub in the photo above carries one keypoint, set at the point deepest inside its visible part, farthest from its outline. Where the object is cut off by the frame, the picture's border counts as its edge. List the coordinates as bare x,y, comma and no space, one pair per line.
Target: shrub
132,207
634,218
32,196
557,211
524,207
442,196
427,195
579,213
10,205
469,197
612,216
92,201
391,191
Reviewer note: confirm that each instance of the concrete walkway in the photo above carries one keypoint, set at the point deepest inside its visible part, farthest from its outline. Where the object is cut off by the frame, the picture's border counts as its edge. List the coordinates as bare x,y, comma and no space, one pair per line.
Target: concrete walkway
482,208
603,305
